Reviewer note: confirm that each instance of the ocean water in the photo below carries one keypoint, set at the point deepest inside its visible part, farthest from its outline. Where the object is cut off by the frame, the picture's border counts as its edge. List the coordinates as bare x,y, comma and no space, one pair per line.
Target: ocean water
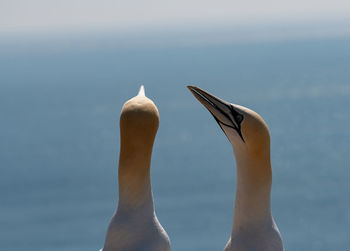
59,139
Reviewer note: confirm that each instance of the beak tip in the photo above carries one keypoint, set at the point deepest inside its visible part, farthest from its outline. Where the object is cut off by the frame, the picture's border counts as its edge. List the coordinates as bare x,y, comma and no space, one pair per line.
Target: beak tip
192,88
142,91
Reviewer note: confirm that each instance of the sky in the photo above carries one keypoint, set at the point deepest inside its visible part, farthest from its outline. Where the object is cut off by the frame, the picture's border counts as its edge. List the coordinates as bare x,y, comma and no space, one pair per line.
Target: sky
18,16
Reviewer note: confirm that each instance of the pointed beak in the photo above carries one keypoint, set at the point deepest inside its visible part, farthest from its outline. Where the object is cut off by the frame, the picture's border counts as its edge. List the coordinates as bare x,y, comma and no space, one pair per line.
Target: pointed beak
142,92
223,112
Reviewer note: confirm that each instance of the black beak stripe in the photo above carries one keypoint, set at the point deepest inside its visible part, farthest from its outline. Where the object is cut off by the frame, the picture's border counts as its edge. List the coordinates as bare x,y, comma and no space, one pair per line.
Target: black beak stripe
237,117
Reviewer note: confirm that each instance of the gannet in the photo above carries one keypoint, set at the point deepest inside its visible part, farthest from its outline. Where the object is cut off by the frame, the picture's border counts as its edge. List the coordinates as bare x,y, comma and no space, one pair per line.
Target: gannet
134,226
254,228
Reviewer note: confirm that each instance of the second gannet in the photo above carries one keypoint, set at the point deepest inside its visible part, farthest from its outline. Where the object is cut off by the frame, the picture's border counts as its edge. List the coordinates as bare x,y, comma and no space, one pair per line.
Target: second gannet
253,225
134,226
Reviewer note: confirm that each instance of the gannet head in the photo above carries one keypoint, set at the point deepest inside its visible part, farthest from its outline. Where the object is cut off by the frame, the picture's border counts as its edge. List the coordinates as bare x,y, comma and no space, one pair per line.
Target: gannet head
139,121
244,128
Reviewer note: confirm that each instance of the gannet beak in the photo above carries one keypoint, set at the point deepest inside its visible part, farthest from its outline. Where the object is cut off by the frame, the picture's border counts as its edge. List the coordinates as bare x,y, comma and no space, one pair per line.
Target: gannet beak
141,91
223,112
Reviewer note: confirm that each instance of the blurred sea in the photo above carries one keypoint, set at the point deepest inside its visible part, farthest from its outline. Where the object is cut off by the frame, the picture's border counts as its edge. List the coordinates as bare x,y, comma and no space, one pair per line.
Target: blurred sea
59,131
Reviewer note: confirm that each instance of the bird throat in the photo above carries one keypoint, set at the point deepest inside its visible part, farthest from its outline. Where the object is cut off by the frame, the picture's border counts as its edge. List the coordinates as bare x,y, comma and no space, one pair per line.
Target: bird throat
134,181
252,202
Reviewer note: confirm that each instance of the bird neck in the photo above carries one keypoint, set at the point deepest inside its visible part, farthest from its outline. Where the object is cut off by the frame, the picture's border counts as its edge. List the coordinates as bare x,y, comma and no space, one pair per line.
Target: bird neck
252,203
135,191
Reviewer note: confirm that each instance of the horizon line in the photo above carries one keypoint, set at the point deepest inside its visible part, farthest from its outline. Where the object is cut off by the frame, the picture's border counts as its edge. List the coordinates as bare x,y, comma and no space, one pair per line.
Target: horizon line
193,34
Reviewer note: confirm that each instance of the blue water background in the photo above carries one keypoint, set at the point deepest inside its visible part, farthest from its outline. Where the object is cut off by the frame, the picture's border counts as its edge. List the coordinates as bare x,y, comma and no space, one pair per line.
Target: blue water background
59,139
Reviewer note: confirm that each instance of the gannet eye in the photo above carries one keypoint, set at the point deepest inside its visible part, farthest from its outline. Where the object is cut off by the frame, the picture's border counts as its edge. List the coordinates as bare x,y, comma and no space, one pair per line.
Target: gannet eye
239,118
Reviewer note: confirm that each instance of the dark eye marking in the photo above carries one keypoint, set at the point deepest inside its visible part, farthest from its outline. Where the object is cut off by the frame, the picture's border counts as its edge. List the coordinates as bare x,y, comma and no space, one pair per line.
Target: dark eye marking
236,125
239,118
